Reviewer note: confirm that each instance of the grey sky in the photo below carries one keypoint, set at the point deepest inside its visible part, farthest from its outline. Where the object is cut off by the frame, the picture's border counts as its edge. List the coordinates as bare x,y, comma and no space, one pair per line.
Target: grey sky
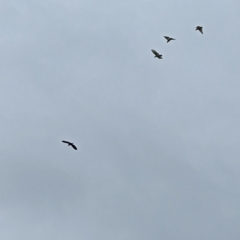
158,140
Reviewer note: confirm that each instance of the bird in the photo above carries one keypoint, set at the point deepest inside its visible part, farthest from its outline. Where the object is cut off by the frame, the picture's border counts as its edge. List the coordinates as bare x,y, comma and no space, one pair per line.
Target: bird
157,55
169,38
70,144
200,29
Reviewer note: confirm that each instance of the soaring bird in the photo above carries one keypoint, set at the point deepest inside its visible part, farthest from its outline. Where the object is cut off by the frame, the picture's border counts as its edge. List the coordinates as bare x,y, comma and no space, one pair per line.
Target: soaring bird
157,55
169,38
70,144
199,28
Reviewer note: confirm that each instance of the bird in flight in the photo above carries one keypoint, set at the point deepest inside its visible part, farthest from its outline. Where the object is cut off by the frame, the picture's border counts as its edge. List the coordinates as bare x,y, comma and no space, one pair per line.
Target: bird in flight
199,28
157,55
169,38
70,144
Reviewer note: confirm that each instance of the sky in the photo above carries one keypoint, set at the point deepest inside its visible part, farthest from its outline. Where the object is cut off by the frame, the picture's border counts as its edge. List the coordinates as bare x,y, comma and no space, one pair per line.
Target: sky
158,140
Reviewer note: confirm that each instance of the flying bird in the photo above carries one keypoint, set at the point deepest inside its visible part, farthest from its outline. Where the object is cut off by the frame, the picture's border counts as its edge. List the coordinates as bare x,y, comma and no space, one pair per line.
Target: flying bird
70,144
169,38
200,29
157,55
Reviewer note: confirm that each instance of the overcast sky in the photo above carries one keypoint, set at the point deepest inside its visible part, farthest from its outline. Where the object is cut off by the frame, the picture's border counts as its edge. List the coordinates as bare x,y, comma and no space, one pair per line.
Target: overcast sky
158,140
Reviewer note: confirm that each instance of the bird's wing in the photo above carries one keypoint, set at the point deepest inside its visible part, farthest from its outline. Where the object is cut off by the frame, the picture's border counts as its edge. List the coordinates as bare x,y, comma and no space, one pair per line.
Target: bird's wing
200,29
74,147
155,52
66,142
166,37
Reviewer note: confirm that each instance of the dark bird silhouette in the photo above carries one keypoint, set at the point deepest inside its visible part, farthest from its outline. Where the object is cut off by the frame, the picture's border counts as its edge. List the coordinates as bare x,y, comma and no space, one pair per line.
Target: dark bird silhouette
199,28
70,144
157,55
169,38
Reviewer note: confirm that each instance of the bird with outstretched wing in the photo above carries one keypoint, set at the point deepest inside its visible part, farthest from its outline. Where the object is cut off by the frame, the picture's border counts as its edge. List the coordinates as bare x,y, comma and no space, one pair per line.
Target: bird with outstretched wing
157,55
169,38
70,144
